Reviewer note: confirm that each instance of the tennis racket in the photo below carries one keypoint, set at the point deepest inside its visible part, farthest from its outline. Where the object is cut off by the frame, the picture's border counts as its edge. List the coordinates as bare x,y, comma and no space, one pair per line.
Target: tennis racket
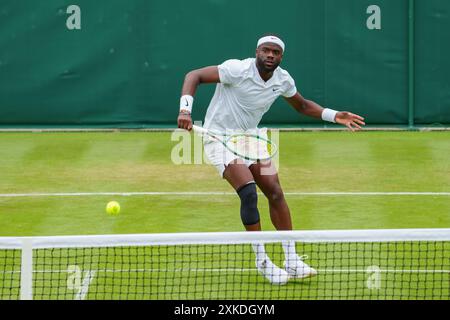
245,145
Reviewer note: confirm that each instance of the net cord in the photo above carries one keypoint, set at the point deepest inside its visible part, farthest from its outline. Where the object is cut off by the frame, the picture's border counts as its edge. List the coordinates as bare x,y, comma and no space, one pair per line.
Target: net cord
89,241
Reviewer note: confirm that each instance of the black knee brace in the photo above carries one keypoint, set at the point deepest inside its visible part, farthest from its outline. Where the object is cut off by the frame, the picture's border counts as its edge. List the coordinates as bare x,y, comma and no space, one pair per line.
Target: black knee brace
249,202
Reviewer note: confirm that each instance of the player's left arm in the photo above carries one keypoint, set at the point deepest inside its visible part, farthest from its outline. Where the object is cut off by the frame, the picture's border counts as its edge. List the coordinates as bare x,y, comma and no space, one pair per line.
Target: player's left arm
313,109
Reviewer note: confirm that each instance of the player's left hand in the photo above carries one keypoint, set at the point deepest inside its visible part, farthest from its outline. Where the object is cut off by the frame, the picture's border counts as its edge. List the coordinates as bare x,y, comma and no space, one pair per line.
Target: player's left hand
350,120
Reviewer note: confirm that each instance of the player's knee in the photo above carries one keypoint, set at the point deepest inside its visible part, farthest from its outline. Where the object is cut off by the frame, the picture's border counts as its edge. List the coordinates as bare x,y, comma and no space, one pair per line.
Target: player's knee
276,194
249,204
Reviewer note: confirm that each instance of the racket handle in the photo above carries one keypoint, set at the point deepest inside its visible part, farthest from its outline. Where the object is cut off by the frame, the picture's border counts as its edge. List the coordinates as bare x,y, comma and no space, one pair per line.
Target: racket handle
199,129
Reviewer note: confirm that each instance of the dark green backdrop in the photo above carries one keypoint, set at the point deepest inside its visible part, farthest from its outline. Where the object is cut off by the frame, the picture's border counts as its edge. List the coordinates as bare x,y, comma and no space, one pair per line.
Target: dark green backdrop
126,65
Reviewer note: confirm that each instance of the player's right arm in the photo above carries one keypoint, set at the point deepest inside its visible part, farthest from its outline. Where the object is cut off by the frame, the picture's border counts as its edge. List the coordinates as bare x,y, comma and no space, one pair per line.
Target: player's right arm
191,82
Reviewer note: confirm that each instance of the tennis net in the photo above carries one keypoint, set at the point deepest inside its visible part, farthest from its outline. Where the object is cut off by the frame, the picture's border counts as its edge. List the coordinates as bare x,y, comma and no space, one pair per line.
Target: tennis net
354,264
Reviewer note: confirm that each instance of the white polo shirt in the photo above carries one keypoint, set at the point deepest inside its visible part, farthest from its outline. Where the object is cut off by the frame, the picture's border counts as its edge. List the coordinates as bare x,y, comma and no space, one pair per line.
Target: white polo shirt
242,97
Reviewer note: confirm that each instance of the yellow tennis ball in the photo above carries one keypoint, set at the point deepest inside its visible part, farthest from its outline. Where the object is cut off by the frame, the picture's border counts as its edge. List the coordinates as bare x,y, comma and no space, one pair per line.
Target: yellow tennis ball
113,208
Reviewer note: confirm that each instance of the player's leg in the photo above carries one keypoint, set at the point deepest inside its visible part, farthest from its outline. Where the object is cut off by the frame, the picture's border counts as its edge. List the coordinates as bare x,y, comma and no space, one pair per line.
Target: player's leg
267,179
236,172
240,178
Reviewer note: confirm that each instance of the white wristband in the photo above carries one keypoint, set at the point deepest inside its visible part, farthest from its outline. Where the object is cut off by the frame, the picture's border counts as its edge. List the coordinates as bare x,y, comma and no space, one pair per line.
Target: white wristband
186,102
329,115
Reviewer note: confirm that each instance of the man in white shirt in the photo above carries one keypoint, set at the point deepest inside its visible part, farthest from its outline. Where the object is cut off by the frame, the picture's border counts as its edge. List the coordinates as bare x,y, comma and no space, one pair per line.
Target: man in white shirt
245,91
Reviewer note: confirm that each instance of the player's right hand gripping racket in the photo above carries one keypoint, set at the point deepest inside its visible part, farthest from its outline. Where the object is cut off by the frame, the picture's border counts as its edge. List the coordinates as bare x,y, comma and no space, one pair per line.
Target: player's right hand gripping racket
248,146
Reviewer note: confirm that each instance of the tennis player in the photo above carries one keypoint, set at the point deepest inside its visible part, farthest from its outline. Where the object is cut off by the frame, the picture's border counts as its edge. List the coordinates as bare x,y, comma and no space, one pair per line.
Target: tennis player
245,91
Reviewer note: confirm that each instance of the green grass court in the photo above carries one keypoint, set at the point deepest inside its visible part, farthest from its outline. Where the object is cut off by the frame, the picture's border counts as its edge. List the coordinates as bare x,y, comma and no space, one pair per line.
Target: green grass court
140,162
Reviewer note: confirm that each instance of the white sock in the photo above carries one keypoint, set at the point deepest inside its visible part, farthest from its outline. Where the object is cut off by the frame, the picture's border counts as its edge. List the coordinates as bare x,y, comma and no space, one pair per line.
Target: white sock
260,251
289,251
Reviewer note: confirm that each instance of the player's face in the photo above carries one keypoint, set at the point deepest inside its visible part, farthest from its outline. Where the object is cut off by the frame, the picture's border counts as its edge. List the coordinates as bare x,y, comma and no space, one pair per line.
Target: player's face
269,56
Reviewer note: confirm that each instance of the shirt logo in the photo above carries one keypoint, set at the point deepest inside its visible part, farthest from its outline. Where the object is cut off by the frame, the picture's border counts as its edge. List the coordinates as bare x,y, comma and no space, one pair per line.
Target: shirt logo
275,89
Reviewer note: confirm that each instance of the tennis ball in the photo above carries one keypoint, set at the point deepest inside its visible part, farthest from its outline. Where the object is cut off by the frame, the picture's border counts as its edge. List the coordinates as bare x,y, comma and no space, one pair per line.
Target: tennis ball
113,208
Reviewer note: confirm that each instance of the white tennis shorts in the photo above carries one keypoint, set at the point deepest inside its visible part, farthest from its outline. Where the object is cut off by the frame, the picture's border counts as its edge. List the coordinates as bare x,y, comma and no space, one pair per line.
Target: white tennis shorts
220,157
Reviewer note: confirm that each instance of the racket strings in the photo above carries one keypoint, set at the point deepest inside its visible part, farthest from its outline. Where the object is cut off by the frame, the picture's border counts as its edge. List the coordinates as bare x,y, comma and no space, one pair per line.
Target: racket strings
250,146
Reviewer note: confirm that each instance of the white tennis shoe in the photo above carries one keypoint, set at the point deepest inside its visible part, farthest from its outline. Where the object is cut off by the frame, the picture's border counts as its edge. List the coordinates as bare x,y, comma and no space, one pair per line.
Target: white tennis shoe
273,273
298,269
